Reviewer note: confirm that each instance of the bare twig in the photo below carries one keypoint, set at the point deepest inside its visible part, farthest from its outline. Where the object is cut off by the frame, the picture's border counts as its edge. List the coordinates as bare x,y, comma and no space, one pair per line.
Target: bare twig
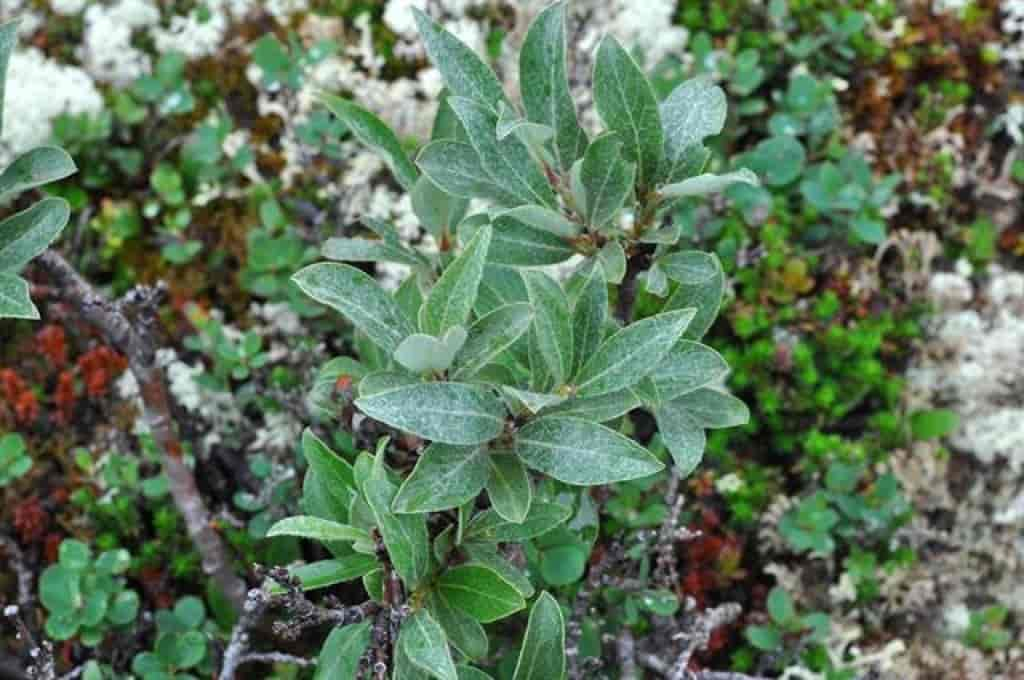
128,326
697,635
16,560
625,649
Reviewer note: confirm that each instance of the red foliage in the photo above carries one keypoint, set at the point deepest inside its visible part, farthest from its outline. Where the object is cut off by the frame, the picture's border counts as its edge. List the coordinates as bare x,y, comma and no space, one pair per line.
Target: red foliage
19,397
51,547
30,520
64,398
99,367
52,342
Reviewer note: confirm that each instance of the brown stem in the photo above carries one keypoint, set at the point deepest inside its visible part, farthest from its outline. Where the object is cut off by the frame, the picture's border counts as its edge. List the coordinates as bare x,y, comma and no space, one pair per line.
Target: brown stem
135,341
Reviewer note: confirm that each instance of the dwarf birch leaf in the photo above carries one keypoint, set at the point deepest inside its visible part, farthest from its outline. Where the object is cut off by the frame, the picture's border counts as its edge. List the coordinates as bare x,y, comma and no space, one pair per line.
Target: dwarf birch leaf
371,131
542,656
714,409
509,487
304,526
688,366
426,646
694,110
480,592
405,536
581,452
705,297
607,179
26,234
445,477
453,413
36,167
631,353
552,324
456,168
589,317
491,335
359,299
15,302
544,83
627,104
708,184
508,161
367,250
464,74
450,301
342,651
683,436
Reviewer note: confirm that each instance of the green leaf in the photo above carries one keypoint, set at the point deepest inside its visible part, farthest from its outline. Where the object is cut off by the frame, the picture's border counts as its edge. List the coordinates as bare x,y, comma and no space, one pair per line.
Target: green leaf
766,638
15,302
341,652
464,74
470,673
453,413
552,324
359,299
688,366
520,245
463,631
480,592
456,168
779,160
191,649
714,409
581,452
333,471
8,39
509,487
563,564
705,297
424,643
542,656
607,179
26,234
420,352
692,267
631,353
542,518
34,168
487,555
780,606
708,184
124,608
445,477
533,402
613,260
599,409
491,335
326,573
694,110
451,299
366,250
372,132
60,589
683,436
544,84
405,536
508,161
934,424
305,526
436,209
627,104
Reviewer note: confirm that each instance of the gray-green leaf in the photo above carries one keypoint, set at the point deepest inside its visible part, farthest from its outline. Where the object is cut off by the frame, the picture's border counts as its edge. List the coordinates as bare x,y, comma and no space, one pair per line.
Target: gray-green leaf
421,352
342,650
542,518
367,250
683,436
326,573
607,179
542,656
491,335
405,536
480,592
36,167
627,104
708,184
31,231
445,477
451,299
714,409
15,302
631,353
695,110
705,296
317,529
581,452
371,131
519,245
509,487
426,646
456,168
359,299
545,85
453,413
589,317
552,324
687,367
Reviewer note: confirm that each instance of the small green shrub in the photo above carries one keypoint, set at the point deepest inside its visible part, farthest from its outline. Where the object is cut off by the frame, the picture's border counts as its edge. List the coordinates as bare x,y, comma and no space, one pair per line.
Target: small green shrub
14,459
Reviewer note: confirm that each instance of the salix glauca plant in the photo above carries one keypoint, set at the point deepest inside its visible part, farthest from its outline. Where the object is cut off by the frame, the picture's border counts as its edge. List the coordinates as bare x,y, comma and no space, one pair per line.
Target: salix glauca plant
29,232
521,382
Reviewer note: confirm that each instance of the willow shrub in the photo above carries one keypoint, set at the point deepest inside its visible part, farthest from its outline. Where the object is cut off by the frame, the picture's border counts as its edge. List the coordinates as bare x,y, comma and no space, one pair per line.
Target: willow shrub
522,382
